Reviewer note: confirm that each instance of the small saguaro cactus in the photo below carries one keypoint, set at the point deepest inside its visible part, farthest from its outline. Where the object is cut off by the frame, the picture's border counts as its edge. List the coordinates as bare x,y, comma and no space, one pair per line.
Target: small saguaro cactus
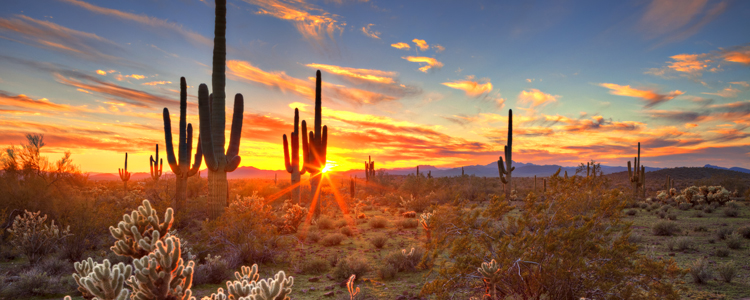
212,114
352,187
462,171
429,174
315,147
637,175
292,165
369,169
181,166
124,175
417,192
156,165
507,168
534,183
669,184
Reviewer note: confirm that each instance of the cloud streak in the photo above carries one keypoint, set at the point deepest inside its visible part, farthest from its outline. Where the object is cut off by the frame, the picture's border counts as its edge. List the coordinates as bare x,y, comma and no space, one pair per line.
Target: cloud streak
472,87
312,26
427,62
651,97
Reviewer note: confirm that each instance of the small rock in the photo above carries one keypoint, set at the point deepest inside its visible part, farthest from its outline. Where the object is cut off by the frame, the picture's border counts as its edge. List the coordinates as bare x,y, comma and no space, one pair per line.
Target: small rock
312,288
329,294
671,253
343,284
314,279
328,288
402,297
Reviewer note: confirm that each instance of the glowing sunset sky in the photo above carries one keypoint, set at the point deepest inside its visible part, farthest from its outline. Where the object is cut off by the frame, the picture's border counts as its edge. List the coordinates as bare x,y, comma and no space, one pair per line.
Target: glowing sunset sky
412,82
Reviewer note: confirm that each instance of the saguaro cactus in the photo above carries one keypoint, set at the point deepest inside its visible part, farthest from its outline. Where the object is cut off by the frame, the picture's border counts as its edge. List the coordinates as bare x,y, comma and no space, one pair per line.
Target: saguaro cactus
369,169
315,147
352,188
124,175
213,121
637,175
292,165
181,169
156,165
506,169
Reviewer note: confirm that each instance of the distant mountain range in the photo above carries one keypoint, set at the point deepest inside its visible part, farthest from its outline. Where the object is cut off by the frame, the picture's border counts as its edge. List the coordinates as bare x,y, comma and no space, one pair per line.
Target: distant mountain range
489,170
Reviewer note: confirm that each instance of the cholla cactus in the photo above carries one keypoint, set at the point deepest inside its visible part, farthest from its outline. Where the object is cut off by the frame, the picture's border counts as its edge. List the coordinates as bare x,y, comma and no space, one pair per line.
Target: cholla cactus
102,281
672,192
251,203
294,215
406,203
491,276
33,237
718,194
350,286
681,199
248,287
513,194
162,274
662,196
690,192
138,233
425,220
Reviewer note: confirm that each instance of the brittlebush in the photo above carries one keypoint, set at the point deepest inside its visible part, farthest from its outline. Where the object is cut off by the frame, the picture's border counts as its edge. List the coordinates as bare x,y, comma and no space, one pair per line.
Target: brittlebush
566,244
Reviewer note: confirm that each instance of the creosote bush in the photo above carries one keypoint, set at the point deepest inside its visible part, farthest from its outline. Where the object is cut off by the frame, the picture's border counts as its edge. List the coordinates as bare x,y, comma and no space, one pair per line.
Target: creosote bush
407,223
700,271
744,231
33,237
665,228
378,222
722,252
351,265
347,231
680,244
325,224
731,212
314,266
727,271
332,239
379,241
722,233
734,241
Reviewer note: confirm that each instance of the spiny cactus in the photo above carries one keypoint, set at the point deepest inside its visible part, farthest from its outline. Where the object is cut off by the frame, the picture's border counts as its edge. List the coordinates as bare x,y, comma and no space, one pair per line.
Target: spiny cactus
181,166
138,232
162,274
490,272
637,175
669,184
248,287
33,237
506,168
292,165
124,175
350,287
429,174
426,221
462,171
102,281
369,169
212,113
315,147
156,165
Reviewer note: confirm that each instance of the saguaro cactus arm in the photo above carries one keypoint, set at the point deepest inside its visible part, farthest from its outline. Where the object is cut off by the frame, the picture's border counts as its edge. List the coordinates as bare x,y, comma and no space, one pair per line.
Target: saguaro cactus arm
232,155
124,175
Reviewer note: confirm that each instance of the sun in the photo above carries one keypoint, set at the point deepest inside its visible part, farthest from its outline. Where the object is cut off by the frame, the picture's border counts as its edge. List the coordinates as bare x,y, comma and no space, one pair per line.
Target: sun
329,166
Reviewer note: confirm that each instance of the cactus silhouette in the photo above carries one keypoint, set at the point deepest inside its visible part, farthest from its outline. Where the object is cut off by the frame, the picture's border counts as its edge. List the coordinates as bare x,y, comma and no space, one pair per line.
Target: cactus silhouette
315,146
181,168
638,175
124,175
505,169
212,115
369,169
156,165
292,165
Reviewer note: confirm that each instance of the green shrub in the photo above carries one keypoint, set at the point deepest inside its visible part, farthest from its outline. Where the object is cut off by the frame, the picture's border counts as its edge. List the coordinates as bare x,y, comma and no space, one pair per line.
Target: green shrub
680,244
672,216
332,239
698,214
404,260
731,212
635,238
378,222
351,265
722,233
387,271
700,229
213,270
315,265
325,223
312,237
727,271
699,271
661,214
642,205
722,252
665,228
347,231
744,231
379,241
734,241
708,209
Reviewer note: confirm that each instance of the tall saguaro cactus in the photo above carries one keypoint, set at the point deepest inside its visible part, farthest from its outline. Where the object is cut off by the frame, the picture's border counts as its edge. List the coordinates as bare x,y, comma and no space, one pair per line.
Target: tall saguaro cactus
315,146
292,165
505,169
156,165
212,113
369,169
181,168
637,175
124,175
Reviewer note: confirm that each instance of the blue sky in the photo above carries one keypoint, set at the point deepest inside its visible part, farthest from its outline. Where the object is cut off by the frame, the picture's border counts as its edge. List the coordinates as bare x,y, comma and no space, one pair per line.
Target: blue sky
415,82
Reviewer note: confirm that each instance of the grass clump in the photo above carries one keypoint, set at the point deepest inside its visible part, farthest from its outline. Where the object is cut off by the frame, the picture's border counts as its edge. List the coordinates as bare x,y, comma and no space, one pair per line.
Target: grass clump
744,231
325,223
631,212
312,237
734,241
351,265
378,222
665,228
340,223
722,252
684,206
332,239
379,241
727,271
708,209
722,233
407,223
387,271
698,214
680,244
672,216
347,231
731,212
699,271
316,265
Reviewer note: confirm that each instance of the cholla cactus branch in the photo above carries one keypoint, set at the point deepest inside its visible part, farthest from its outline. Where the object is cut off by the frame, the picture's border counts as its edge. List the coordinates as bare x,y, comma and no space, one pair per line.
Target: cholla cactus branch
425,220
33,237
162,274
138,233
102,281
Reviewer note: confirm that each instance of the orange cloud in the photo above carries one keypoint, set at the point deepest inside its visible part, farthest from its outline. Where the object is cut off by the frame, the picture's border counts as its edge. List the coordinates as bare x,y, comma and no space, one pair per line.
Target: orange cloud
651,97
144,19
421,44
368,32
692,64
113,91
375,76
100,72
728,92
311,26
136,76
536,98
156,82
738,55
24,102
438,48
430,62
690,125
471,87
401,46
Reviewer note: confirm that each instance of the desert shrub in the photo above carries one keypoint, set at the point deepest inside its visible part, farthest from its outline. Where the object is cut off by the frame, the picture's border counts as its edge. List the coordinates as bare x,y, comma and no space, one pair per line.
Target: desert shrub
379,241
722,233
312,237
727,271
347,231
661,214
700,271
665,228
35,282
405,259
567,215
54,266
635,238
340,223
733,204
387,271
631,212
665,208
680,244
407,223
378,222
722,252
293,216
698,214
316,265
684,206
734,241
731,212
672,216
642,205
700,229
213,270
34,238
351,265
325,223
332,239
744,231
709,209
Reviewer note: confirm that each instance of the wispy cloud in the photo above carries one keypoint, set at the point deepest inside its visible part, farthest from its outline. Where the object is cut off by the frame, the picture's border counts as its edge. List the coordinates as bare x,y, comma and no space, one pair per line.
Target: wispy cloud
430,63
421,44
145,20
156,83
740,54
536,98
30,105
438,48
358,75
472,87
371,33
651,97
312,22
113,91
676,20
404,46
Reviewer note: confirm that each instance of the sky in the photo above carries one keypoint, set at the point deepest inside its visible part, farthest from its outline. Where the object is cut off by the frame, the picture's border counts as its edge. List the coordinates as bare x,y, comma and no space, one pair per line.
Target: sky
405,82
